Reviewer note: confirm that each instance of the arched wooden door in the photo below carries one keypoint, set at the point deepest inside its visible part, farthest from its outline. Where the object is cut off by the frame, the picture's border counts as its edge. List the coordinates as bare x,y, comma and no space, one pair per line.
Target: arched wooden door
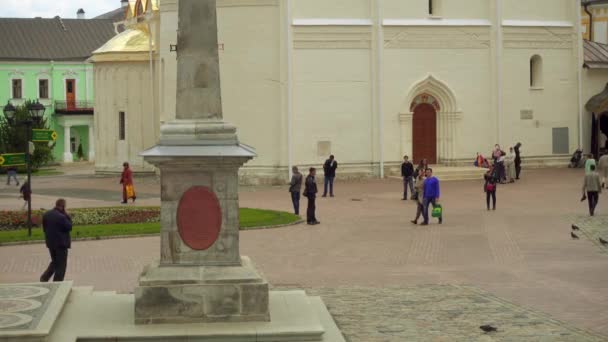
425,133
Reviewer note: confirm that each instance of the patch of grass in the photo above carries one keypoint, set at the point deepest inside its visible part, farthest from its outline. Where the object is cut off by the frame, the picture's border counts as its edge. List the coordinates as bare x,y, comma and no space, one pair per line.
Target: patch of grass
249,219
254,218
47,172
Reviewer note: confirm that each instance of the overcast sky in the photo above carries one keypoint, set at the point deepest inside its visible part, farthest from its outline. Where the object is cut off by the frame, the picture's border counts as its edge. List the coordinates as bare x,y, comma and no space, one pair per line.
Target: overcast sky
51,8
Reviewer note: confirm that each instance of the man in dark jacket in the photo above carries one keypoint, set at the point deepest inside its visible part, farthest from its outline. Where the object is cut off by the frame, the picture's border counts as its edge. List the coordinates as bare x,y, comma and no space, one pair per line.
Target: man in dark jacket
310,191
407,172
517,160
295,187
329,170
57,226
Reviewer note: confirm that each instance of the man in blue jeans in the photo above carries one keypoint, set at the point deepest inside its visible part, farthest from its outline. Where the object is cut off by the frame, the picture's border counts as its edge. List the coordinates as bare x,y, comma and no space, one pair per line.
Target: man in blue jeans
11,173
431,195
329,170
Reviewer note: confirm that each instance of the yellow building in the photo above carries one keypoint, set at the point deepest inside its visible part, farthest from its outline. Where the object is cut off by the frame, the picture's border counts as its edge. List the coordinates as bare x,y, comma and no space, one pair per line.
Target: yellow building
366,80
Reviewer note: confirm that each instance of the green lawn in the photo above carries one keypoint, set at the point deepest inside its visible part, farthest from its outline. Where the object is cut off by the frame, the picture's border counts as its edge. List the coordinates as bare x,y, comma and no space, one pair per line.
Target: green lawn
249,219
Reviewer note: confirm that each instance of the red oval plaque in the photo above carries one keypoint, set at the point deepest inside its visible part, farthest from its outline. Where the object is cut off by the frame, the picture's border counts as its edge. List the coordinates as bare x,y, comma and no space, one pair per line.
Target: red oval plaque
199,218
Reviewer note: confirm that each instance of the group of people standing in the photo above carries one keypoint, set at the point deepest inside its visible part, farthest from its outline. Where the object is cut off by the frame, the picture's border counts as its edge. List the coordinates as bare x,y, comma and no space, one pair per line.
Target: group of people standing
310,188
424,188
505,168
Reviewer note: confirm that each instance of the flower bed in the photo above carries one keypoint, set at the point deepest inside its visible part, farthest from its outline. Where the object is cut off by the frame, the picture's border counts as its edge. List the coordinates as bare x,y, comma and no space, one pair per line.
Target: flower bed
13,220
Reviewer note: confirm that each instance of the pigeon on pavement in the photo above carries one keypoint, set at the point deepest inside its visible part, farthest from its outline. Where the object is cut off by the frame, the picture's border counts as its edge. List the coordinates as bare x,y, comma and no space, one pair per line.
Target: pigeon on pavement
603,242
574,236
575,227
488,328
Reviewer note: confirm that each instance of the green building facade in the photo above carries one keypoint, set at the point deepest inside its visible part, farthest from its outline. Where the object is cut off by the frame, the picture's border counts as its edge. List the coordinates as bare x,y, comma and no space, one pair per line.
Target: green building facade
54,84
46,60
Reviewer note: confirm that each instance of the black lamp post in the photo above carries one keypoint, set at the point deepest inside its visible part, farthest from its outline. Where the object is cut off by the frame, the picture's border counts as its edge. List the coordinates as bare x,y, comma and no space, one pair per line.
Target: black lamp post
36,112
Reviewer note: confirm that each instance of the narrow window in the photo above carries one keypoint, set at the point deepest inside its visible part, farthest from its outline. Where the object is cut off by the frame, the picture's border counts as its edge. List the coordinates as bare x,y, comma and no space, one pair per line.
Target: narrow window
536,71
43,89
17,93
431,7
121,126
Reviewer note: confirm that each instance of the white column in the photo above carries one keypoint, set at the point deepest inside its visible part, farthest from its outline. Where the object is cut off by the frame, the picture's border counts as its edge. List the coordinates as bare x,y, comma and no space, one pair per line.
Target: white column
407,133
91,142
67,154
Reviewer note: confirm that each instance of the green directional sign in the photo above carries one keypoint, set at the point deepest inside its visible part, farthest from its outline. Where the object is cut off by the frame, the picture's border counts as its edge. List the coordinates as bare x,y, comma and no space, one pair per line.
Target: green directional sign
12,159
43,135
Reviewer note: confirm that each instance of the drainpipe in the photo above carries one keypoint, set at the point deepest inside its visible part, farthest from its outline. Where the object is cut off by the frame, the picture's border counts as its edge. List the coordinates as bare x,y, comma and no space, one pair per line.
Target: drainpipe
152,81
289,97
579,69
586,7
499,71
380,48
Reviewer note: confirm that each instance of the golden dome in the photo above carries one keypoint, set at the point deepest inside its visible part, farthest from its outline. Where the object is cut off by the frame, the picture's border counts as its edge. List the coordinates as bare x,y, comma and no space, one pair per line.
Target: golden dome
128,42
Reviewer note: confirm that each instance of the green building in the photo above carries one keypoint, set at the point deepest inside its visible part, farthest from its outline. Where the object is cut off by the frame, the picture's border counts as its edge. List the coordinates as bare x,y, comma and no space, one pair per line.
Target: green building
46,59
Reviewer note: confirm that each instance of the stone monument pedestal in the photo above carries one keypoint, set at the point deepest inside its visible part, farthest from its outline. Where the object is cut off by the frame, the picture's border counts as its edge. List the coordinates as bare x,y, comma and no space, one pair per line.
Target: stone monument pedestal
177,294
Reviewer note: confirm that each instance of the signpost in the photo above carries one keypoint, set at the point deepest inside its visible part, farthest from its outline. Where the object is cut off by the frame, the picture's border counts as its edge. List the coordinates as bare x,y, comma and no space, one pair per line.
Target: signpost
43,135
12,159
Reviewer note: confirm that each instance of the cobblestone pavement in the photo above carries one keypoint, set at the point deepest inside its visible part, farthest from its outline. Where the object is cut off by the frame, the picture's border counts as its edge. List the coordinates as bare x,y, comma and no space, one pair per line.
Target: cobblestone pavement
521,252
593,228
439,313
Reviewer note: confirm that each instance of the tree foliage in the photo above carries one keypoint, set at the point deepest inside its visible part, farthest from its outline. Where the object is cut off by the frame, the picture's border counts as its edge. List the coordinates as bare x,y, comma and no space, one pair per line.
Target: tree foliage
13,137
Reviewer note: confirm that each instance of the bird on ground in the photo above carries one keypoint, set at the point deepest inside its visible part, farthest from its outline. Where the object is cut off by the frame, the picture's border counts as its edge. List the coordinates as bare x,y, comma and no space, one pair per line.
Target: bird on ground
603,242
488,328
574,236
575,227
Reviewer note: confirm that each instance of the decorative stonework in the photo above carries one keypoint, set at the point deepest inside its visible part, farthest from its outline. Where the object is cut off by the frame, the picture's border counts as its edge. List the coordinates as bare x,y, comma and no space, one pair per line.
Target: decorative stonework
437,38
425,98
18,305
538,38
22,291
11,320
199,218
332,37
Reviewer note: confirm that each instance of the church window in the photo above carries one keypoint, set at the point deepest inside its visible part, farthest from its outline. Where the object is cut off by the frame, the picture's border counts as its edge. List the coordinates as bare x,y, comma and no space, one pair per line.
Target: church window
434,8
121,126
536,71
43,89
17,88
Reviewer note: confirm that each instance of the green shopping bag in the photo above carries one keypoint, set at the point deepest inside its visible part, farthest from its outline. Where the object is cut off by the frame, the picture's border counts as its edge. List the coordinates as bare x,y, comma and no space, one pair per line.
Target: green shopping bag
437,211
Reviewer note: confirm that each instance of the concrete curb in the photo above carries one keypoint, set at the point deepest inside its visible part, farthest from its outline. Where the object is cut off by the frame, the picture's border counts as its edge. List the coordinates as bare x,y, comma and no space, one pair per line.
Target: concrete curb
113,237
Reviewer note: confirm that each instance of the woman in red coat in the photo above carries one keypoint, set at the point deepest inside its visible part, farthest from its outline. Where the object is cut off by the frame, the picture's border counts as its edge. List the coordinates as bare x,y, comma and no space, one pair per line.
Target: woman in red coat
126,179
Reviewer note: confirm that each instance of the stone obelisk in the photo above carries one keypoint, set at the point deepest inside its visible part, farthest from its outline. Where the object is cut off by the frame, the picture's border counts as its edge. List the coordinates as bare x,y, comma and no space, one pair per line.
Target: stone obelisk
201,276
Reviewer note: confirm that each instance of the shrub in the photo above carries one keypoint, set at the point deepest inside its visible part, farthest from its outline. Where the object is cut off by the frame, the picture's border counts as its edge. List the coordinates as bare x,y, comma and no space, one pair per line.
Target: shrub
12,220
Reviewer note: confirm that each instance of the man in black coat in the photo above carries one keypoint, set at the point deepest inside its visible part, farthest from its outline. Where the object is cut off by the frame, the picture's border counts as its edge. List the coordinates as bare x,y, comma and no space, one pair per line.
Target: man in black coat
517,160
310,192
57,226
329,169
407,172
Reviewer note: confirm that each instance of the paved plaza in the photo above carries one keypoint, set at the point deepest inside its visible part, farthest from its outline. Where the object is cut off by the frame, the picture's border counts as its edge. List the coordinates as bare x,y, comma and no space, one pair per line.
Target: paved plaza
516,267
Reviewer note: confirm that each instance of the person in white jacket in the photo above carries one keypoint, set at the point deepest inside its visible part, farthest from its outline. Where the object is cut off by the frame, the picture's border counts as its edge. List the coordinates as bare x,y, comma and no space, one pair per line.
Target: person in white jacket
602,166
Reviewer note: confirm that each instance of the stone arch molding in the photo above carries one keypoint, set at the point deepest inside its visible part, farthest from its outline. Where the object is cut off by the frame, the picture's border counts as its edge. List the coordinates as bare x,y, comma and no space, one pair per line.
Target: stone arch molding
437,89
440,95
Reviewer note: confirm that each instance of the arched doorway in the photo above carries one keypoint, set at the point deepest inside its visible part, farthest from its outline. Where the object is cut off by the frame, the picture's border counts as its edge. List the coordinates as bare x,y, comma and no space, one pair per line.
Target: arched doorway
424,133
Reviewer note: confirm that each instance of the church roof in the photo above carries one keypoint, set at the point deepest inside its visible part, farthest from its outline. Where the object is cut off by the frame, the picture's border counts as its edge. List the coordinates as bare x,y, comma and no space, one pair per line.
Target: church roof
596,55
115,15
56,39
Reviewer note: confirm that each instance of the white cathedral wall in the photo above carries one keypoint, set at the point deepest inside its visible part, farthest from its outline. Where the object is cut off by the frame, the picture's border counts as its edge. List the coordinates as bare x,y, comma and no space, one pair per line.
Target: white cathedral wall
466,71
126,86
539,10
360,9
332,106
554,104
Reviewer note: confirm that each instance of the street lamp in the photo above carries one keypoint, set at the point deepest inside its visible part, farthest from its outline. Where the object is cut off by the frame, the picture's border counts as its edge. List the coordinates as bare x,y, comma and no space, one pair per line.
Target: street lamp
36,112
